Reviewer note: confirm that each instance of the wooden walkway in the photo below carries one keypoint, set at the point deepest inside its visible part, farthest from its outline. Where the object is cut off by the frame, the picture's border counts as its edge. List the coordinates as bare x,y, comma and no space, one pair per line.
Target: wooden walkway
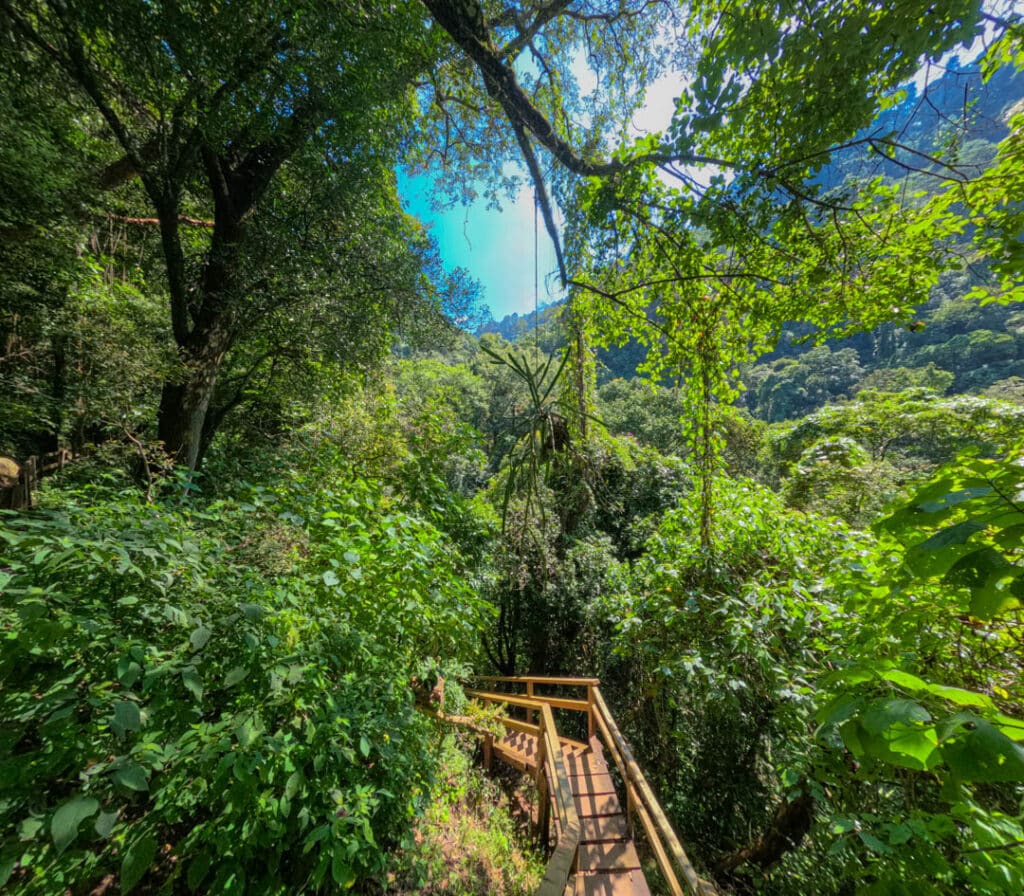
579,813
607,863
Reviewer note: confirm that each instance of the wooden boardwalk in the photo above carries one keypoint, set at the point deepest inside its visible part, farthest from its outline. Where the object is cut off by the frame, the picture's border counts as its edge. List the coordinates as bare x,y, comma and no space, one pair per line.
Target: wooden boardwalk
607,863
579,815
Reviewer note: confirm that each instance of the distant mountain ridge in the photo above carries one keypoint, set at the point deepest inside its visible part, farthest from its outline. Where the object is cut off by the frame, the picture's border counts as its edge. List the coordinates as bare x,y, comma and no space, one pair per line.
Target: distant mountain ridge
978,346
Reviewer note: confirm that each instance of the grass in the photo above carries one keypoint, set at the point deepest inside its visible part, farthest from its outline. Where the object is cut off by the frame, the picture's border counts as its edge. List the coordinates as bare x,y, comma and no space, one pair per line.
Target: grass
467,842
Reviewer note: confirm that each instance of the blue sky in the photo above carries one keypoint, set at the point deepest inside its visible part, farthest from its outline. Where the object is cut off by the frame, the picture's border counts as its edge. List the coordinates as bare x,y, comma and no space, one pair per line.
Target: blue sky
496,247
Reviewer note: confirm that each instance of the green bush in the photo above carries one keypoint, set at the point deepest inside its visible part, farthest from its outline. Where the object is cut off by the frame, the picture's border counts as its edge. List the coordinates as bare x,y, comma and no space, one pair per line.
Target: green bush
214,696
719,649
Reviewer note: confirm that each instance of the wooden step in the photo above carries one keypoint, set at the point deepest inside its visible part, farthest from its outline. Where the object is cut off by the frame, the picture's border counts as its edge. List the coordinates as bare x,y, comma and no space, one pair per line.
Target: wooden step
595,782
611,883
594,804
604,829
618,856
585,763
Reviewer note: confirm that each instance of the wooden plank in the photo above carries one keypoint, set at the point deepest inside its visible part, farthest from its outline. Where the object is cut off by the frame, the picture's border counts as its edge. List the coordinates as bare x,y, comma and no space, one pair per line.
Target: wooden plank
519,726
540,679
620,856
603,829
592,782
585,764
531,702
589,805
572,746
560,784
560,866
521,742
516,760
612,883
509,699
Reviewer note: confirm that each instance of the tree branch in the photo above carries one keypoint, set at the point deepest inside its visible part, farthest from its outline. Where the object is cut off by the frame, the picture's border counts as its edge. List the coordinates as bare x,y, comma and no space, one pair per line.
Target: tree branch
542,198
544,15
142,222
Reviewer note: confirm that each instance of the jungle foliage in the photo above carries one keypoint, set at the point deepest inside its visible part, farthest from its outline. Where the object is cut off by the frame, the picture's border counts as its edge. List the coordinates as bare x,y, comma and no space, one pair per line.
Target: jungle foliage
762,471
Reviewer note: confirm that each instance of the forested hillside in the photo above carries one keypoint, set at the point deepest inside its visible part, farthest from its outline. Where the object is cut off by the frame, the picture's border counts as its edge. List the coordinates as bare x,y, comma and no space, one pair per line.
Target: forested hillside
267,509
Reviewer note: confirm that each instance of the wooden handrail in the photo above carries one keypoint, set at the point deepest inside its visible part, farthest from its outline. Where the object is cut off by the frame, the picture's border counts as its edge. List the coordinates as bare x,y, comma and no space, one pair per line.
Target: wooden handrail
531,702
539,679
551,773
563,859
642,800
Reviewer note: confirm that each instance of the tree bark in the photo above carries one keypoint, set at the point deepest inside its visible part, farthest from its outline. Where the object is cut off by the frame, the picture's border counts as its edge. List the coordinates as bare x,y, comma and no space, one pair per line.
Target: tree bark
181,418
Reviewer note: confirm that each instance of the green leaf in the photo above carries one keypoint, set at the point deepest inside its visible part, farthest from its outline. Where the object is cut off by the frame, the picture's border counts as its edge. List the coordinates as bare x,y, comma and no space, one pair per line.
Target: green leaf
105,822
341,871
136,862
981,753
879,717
197,870
132,777
29,827
295,781
200,637
64,826
331,578
128,671
7,864
234,676
127,717
364,745
874,844
194,685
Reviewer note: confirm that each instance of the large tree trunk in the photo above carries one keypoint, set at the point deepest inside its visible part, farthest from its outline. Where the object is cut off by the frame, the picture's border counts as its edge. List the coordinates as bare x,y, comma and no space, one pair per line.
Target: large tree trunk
184,406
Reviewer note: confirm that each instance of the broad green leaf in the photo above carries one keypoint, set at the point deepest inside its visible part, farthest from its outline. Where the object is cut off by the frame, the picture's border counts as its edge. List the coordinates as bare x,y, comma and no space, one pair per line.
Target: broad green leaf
234,676
105,822
190,678
878,717
65,822
136,862
197,870
127,717
341,870
200,637
979,752
132,777
908,746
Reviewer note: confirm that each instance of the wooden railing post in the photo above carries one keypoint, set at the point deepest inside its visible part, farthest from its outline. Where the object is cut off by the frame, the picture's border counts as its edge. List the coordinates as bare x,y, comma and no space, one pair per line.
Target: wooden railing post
529,693
543,797
488,750
590,711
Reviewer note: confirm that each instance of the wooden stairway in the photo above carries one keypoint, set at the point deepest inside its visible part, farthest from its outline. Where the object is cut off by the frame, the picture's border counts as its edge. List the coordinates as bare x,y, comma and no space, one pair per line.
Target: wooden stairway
578,806
607,863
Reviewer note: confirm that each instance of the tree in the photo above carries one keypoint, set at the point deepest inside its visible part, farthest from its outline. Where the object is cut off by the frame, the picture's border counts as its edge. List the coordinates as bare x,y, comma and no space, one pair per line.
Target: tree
702,241
244,123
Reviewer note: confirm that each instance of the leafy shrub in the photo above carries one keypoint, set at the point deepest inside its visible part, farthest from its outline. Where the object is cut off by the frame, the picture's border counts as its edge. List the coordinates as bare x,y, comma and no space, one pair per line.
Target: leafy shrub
214,696
926,695
723,647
